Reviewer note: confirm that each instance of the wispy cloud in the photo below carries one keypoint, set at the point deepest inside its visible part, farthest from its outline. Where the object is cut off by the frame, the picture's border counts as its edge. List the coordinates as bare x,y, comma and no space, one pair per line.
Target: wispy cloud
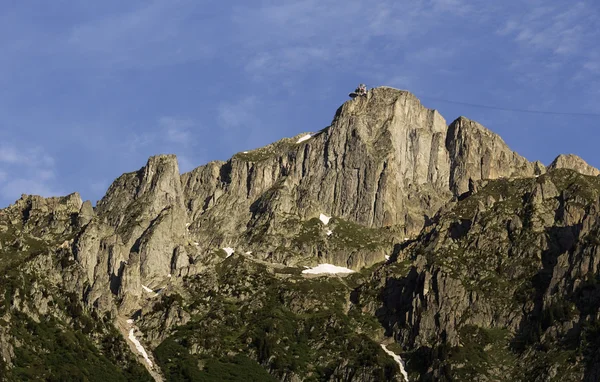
168,133
284,36
157,33
186,164
13,189
558,27
26,170
177,130
14,155
237,114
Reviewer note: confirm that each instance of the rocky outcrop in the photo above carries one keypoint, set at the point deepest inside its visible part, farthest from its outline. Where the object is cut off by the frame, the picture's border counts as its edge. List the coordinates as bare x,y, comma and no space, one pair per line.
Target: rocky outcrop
468,240
477,153
139,224
515,266
573,162
369,167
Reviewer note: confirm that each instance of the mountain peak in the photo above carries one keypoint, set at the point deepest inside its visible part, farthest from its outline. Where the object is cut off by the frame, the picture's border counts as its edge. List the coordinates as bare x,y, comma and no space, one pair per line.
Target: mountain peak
573,162
478,153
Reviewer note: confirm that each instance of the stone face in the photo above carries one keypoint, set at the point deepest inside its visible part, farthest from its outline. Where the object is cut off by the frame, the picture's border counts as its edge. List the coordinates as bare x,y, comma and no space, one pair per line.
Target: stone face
382,162
139,223
459,232
573,162
477,153
86,213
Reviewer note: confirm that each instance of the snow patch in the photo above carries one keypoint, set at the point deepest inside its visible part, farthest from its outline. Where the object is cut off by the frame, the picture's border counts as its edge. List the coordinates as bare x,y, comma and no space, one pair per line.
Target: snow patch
147,289
139,346
249,253
387,257
229,251
245,152
130,321
406,239
324,218
169,275
304,138
188,224
398,360
327,268
196,243
329,232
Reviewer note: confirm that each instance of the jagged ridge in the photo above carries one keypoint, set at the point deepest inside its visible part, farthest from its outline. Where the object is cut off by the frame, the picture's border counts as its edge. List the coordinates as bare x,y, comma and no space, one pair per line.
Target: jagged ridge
384,169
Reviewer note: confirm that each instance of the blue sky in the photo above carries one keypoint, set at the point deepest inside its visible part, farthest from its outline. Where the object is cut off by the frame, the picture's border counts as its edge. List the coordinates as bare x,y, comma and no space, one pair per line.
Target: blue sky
90,90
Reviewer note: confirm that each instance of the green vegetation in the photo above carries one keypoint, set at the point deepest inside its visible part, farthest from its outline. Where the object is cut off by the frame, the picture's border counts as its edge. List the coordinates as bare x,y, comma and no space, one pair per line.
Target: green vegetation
351,235
482,352
300,326
577,187
271,151
50,351
311,232
68,343
346,235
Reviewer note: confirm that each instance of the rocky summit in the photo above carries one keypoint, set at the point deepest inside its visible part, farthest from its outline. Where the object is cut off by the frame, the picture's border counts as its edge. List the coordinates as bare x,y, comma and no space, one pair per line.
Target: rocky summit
389,246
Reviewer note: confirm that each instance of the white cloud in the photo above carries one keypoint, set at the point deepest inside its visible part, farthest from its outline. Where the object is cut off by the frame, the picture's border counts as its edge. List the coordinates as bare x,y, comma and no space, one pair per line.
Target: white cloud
99,187
177,130
14,155
233,115
592,66
168,133
155,34
300,35
140,141
14,188
25,170
186,164
556,27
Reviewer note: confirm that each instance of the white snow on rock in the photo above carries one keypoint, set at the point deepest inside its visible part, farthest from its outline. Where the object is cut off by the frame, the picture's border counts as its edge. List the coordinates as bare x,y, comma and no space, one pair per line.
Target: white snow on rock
188,224
249,253
139,346
398,360
130,321
304,138
169,275
387,257
329,232
406,239
245,152
229,251
147,289
324,218
327,268
196,243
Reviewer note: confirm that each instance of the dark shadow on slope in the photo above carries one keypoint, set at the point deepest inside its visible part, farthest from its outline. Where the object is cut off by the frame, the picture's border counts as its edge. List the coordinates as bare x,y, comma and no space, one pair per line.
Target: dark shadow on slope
115,280
398,248
396,298
559,240
460,229
225,172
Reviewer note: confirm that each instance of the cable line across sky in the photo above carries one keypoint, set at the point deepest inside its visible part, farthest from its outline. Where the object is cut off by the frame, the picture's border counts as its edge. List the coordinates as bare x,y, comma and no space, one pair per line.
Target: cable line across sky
512,109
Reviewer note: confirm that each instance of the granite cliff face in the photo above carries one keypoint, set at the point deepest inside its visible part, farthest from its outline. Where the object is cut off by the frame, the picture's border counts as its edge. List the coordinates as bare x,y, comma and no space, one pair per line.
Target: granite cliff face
472,260
573,162
385,161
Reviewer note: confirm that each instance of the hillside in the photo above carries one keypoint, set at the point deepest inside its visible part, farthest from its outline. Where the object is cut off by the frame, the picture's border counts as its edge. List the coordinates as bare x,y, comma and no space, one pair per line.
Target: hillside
457,259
